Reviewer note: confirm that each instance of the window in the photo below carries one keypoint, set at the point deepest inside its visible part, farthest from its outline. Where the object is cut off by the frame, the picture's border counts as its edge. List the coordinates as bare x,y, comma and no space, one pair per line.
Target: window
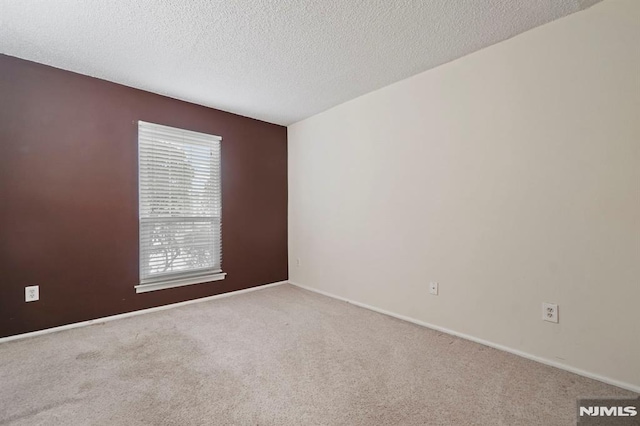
179,207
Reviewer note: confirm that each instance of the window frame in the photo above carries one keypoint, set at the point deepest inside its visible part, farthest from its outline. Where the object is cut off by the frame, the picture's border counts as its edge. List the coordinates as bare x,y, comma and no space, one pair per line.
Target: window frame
181,278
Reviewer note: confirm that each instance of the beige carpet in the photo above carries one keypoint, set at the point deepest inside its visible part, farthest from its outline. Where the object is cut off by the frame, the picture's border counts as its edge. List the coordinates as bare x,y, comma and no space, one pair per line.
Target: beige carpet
277,356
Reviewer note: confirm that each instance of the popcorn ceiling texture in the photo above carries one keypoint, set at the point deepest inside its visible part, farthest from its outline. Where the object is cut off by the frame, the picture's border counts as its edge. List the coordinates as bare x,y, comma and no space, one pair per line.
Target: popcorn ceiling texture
277,61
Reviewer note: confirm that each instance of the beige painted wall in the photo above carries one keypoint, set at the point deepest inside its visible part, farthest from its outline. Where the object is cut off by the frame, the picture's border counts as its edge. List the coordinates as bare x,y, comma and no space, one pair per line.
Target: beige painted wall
510,176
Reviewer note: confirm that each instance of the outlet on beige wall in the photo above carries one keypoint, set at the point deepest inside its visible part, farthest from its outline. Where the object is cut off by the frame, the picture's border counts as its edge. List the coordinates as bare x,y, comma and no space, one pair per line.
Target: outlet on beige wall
512,175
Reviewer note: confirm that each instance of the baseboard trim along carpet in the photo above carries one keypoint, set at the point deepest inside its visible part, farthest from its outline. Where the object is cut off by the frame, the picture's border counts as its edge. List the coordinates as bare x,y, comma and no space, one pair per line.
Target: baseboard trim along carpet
134,313
607,380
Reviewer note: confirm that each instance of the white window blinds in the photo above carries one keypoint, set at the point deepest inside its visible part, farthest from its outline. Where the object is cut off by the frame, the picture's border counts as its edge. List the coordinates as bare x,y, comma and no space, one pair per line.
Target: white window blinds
180,206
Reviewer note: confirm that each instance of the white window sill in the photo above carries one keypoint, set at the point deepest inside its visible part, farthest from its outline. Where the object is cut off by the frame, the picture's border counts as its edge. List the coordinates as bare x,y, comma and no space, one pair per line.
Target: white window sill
179,282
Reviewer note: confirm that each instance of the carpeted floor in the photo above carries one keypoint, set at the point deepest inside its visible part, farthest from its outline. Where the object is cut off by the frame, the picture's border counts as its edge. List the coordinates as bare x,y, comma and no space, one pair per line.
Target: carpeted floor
277,356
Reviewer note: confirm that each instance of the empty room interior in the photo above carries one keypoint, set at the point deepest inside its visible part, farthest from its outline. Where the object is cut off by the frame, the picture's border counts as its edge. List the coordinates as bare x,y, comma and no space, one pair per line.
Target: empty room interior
340,212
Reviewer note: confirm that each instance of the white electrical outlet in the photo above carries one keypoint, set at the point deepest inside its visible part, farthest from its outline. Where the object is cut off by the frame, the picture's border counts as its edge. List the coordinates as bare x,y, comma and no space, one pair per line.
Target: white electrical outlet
298,262
550,312
433,288
31,293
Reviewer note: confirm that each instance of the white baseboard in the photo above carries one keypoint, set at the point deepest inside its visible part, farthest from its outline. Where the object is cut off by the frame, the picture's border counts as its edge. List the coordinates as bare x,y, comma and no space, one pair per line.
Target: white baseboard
607,380
134,313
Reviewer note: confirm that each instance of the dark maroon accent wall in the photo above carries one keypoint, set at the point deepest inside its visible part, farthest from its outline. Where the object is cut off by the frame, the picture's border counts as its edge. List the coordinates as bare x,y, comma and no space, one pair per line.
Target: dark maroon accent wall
69,197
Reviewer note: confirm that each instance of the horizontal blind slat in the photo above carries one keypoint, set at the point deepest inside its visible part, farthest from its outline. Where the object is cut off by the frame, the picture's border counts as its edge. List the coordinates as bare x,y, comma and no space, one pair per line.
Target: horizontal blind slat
157,155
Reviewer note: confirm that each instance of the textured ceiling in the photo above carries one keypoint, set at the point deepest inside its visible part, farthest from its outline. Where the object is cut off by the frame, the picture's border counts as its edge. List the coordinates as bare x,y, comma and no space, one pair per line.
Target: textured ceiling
275,60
